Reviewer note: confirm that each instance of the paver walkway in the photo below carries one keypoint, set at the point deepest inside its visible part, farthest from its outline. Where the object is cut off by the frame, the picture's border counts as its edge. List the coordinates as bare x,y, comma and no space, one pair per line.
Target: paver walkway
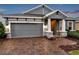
34,46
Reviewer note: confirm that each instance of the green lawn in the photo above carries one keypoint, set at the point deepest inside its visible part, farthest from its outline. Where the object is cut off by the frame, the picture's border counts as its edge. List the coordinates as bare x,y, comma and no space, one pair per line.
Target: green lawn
74,52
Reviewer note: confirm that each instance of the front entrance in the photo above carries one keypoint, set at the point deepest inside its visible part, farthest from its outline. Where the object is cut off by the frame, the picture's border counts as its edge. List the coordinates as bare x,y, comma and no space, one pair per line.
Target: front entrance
53,25
56,26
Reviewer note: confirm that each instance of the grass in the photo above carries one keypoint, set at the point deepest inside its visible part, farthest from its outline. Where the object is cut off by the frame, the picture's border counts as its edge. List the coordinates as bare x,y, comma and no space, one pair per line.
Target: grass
74,52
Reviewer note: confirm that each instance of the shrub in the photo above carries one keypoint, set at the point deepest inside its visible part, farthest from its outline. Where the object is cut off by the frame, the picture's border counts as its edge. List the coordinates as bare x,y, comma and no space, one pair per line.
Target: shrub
2,31
74,34
67,30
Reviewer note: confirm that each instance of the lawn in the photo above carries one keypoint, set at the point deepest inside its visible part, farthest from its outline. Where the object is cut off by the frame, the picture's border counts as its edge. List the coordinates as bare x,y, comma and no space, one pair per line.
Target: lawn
74,52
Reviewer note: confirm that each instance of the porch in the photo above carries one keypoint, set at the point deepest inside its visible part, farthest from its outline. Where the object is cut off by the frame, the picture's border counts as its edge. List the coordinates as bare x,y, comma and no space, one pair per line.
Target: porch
56,28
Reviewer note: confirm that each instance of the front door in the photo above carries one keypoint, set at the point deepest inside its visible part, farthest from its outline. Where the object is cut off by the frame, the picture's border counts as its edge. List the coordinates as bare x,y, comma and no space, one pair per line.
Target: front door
53,26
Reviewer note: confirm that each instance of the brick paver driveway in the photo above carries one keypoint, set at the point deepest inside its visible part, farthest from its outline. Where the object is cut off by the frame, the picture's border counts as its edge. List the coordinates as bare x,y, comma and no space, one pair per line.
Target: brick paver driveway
34,46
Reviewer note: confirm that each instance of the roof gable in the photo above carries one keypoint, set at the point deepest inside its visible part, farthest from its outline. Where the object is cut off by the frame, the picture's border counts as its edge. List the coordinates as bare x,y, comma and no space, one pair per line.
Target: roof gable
54,13
41,10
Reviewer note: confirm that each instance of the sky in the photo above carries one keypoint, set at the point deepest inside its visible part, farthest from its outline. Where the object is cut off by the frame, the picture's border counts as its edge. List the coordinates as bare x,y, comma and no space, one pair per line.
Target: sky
19,8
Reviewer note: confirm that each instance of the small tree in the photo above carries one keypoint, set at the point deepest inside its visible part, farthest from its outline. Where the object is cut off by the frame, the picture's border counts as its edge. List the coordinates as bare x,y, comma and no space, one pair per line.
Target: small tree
2,30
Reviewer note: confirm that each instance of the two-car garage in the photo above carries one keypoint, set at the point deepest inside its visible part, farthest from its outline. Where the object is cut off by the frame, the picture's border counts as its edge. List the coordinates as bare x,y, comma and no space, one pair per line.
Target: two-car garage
26,30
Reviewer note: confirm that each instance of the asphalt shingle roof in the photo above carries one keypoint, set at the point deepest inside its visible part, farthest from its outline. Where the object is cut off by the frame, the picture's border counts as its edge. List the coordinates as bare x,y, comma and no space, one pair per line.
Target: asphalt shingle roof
73,14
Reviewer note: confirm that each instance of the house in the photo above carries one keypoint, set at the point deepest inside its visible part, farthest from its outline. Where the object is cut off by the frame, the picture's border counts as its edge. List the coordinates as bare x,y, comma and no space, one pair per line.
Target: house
37,22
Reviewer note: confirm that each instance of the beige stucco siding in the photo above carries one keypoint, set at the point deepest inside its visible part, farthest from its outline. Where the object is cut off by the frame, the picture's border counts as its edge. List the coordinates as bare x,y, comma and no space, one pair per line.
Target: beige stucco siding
77,25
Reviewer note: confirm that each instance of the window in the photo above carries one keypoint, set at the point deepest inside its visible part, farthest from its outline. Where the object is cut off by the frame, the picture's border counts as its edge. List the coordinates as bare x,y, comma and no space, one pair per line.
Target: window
70,25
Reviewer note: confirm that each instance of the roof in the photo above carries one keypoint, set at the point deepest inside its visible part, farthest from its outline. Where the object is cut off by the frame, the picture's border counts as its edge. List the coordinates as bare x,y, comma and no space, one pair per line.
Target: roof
72,14
49,11
22,16
38,7
43,9
77,19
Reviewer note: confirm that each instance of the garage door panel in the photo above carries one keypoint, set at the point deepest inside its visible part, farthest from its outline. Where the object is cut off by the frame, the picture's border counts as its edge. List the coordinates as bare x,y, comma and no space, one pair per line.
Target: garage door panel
26,30
20,32
28,35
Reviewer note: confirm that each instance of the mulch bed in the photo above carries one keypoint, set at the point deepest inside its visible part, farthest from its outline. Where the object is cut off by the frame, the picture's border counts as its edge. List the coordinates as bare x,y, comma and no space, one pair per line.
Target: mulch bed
70,47
73,39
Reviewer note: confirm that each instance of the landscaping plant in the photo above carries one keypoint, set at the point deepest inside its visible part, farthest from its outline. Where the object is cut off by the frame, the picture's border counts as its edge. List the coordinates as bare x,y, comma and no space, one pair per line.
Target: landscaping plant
73,34
2,31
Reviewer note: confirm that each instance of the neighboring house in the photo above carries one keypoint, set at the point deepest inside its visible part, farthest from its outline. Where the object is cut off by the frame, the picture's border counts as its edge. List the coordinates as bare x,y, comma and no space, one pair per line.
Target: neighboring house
37,22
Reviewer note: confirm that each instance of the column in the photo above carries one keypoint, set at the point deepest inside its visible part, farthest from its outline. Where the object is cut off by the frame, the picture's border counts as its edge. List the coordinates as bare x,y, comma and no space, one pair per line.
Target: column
49,32
49,25
63,25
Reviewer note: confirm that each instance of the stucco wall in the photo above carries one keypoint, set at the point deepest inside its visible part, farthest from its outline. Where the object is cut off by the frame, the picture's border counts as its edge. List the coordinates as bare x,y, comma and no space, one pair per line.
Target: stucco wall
77,25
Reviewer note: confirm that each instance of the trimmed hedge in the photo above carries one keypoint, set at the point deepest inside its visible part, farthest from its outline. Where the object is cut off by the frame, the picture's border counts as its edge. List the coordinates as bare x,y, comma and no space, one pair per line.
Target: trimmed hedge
74,34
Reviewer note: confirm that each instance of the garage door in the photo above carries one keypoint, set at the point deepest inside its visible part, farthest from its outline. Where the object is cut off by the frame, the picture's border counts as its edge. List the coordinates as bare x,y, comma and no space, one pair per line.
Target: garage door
26,29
